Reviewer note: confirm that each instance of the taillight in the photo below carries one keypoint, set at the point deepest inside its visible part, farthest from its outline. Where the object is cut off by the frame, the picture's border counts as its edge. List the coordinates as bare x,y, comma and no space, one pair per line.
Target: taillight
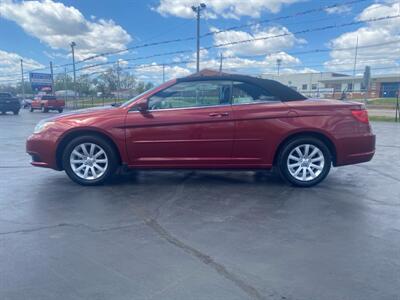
361,115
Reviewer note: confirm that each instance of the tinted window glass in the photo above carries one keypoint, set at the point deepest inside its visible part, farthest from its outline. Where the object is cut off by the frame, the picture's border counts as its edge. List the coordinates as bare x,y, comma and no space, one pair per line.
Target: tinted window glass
192,94
48,98
248,93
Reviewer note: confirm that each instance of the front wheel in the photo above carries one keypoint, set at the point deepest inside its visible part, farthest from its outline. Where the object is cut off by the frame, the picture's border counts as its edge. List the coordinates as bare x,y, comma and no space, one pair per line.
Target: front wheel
304,161
16,112
60,110
89,160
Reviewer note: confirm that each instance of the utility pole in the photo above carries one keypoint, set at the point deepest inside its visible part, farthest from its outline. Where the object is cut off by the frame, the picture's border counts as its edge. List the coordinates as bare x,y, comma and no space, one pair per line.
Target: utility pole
220,62
52,77
119,81
65,85
355,66
73,44
278,65
163,73
197,10
22,79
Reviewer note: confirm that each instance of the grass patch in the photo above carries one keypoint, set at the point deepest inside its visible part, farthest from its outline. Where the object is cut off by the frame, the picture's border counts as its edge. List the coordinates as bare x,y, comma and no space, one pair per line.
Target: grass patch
383,101
382,118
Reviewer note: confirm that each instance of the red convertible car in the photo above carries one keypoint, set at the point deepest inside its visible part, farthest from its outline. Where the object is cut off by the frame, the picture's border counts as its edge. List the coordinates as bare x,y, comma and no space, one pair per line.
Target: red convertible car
208,122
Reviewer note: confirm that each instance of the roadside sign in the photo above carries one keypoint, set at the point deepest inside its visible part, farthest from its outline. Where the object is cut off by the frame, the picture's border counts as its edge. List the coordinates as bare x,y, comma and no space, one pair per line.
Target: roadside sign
41,82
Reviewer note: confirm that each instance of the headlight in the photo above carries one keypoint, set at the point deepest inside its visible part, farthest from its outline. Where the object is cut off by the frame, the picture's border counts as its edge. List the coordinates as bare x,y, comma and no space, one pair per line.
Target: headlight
42,125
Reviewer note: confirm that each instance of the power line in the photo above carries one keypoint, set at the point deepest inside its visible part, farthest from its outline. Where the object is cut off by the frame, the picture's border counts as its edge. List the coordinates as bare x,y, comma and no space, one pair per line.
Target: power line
145,45
297,14
303,31
294,15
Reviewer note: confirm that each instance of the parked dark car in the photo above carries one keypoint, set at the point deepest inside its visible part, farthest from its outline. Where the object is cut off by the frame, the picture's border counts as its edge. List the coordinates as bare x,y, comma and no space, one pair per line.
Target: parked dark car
8,103
208,122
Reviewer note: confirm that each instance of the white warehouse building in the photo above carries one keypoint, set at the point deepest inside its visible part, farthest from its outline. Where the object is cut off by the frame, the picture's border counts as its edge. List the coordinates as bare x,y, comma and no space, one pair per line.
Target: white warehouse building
334,85
309,84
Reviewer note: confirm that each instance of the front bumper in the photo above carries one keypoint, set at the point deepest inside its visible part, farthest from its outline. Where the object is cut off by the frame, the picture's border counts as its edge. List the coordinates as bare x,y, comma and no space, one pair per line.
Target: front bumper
42,151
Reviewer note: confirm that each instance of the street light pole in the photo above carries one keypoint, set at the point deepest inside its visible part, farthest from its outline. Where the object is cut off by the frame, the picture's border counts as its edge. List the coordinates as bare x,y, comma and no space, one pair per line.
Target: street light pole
52,77
197,10
73,66
22,79
119,81
278,64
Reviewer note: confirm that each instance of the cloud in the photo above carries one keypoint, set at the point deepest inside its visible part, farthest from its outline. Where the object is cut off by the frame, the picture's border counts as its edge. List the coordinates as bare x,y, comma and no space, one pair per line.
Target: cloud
224,8
376,33
153,72
232,63
58,25
10,65
341,9
277,38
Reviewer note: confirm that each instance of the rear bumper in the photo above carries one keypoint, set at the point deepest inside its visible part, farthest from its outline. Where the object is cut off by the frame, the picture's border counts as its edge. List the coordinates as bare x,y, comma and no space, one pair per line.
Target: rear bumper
354,150
42,152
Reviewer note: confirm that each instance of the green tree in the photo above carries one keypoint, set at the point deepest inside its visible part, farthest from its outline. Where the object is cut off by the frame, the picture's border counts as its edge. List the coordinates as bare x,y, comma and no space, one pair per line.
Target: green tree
62,82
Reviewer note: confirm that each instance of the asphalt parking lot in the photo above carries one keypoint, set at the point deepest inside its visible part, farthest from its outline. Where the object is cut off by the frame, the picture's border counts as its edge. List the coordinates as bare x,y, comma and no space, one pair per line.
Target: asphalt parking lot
198,235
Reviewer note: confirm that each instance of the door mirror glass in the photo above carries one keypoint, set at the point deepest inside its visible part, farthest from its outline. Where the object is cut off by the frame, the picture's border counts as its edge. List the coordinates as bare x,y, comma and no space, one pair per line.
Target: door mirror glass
142,106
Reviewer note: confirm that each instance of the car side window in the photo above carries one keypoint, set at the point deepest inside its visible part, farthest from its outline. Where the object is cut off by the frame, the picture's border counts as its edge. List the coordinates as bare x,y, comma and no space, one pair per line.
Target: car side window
192,94
243,92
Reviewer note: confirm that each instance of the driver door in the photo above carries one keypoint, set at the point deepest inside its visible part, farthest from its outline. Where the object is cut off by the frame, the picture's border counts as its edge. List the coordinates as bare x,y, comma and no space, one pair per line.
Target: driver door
187,124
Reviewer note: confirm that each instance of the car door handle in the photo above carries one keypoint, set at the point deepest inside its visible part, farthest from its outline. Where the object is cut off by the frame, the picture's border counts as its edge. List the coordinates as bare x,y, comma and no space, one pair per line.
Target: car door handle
225,114
214,115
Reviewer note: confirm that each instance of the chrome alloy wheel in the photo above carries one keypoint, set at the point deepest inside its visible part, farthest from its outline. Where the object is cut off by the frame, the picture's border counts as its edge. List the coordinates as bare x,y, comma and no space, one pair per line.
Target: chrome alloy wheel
88,161
305,162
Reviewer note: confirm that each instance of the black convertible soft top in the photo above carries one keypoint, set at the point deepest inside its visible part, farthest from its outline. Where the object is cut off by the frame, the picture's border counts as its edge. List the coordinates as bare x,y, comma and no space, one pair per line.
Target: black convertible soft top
279,90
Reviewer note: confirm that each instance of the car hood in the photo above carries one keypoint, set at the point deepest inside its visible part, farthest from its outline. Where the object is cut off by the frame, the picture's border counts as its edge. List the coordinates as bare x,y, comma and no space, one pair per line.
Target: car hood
82,113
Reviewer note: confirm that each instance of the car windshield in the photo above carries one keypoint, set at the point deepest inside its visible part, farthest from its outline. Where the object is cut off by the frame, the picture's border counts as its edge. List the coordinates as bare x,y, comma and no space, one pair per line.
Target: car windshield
137,97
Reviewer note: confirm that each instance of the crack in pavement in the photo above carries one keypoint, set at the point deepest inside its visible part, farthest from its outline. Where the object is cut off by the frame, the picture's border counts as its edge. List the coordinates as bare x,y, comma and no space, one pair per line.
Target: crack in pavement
164,234
219,268
90,228
206,259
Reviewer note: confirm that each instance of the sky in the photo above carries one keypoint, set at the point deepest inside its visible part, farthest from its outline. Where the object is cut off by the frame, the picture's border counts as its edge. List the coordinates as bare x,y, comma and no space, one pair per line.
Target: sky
251,36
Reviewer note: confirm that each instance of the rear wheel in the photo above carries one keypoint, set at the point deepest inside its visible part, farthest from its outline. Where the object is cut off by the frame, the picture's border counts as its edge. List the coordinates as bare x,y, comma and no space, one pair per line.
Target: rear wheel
31,109
89,160
16,112
304,161
60,110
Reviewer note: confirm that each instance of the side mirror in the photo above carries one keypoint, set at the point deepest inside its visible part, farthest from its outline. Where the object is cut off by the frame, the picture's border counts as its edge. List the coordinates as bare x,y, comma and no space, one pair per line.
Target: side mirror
142,107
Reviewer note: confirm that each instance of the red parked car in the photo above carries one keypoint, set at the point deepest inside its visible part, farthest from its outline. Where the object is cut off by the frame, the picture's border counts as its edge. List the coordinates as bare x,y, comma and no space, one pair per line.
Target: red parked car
208,122
45,103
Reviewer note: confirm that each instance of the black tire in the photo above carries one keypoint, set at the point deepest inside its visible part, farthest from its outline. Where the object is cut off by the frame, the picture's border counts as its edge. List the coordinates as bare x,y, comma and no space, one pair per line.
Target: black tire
105,145
282,161
60,110
44,109
3,112
16,112
31,109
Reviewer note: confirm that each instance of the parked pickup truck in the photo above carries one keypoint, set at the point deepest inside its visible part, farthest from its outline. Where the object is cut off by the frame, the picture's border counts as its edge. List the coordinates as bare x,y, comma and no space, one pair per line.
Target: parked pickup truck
45,103
9,103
